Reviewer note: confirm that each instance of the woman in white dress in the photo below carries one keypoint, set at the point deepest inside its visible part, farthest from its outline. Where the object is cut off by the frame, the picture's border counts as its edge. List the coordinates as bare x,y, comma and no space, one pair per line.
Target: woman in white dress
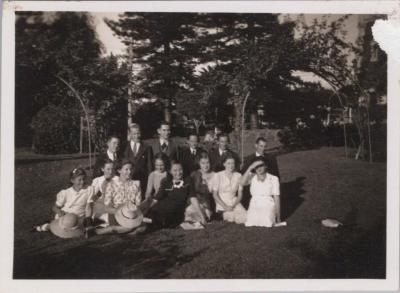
228,192
264,208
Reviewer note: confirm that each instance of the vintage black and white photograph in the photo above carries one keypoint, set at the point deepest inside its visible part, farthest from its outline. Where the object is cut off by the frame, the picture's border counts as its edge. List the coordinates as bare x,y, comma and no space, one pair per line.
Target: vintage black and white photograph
198,145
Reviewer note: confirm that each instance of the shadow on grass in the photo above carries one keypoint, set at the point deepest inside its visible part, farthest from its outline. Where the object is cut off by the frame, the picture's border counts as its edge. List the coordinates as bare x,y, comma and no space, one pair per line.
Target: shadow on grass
355,252
117,258
291,196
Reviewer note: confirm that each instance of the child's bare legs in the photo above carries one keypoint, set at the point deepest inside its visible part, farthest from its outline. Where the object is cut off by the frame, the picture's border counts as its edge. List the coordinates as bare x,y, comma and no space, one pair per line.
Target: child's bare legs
120,230
113,230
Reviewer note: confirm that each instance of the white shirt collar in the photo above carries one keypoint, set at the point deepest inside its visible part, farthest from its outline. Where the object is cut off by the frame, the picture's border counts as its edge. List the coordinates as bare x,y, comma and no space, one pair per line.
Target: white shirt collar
110,155
162,141
221,151
133,143
258,155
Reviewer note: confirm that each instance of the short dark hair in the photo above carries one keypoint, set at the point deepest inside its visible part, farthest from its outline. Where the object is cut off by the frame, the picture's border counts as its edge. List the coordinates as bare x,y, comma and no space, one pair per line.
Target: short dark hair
163,122
202,155
228,156
175,162
77,172
122,163
192,134
260,139
163,157
110,137
107,161
134,126
223,134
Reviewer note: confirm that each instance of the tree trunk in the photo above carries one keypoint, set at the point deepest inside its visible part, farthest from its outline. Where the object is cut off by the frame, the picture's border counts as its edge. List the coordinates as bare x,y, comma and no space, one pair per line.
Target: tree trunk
238,114
254,120
167,111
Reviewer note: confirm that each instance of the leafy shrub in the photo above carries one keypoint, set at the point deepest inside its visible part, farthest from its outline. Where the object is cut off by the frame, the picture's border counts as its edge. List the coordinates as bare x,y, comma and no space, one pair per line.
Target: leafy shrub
56,130
301,138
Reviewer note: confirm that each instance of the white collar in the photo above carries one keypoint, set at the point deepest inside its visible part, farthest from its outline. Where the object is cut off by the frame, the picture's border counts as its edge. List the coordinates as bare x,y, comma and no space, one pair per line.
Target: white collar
221,151
162,141
258,155
74,191
133,143
110,155
193,149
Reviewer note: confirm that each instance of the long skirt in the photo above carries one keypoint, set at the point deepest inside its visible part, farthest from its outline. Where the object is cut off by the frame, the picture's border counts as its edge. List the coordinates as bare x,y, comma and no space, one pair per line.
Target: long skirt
261,212
238,215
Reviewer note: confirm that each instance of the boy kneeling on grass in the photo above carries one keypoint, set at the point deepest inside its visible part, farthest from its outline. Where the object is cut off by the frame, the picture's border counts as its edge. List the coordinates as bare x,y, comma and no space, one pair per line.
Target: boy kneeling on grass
72,208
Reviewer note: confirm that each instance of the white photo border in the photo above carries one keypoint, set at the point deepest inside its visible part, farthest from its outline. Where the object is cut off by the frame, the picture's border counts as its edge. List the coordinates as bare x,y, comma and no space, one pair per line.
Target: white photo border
7,284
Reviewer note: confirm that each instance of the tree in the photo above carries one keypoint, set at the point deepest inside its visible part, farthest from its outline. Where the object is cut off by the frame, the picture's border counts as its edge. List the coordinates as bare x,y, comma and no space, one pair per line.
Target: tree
50,45
162,44
326,54
59,52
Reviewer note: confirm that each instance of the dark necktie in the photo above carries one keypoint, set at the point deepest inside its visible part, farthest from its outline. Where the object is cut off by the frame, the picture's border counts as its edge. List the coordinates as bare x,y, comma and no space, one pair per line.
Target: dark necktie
164,147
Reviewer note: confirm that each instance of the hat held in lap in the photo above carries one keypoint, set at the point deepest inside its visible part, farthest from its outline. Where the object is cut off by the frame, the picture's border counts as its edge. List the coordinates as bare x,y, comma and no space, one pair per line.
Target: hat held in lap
129,216
67,226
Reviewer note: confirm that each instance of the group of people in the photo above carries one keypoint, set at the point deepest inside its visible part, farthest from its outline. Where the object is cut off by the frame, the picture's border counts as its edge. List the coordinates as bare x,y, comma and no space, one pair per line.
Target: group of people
168,185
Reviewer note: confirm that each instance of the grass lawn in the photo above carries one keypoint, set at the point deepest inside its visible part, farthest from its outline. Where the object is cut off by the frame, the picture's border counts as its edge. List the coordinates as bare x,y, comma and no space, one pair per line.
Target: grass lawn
315,184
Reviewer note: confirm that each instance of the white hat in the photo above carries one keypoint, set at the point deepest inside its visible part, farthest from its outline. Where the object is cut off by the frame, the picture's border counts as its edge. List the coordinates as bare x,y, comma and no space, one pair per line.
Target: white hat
67,226
129,216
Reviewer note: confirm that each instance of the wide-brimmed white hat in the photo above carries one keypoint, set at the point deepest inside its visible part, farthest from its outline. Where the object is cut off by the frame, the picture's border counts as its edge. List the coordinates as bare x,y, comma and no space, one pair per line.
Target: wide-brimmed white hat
129,216
67,226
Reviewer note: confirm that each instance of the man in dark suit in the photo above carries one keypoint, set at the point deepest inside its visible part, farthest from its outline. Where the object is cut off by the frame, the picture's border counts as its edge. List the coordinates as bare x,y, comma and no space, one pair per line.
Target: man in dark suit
140,155
165,144
111,153
260,152
189,154
217,154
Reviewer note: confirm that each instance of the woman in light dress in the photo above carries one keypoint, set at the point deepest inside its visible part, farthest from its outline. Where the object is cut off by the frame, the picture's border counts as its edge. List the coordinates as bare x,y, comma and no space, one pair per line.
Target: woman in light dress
228,192
161,165
118,192
264,208
201,181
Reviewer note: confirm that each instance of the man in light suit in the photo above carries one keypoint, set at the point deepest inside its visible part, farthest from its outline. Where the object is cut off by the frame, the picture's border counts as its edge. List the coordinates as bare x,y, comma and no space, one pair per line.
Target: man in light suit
140,155
165,144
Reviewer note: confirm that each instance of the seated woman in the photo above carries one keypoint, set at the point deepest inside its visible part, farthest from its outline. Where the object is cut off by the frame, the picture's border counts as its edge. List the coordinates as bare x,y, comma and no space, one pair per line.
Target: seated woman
202,189
227,192
172,199
161,164
119,192
264,208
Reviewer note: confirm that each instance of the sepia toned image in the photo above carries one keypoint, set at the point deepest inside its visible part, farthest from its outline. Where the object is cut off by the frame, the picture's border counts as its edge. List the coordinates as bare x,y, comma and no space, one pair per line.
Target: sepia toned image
157,145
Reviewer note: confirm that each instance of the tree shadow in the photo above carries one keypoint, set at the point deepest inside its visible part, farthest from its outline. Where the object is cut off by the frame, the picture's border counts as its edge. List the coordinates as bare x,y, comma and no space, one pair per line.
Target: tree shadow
291,196
120,258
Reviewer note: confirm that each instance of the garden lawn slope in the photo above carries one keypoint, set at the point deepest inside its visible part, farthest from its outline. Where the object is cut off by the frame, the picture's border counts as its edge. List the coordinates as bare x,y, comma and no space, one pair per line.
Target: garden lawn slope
315,184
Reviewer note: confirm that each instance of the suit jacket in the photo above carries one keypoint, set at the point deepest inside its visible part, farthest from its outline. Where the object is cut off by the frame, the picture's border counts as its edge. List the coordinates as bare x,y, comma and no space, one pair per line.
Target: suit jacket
216,159
142,162
100,159
188,160
271,161
171,151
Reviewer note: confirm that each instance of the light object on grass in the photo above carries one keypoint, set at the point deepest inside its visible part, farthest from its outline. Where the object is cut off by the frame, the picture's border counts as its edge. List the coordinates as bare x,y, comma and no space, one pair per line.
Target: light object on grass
331,223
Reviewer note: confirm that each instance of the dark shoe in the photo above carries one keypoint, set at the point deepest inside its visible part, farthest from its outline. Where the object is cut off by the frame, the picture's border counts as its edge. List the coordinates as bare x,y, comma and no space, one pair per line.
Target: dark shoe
90,233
